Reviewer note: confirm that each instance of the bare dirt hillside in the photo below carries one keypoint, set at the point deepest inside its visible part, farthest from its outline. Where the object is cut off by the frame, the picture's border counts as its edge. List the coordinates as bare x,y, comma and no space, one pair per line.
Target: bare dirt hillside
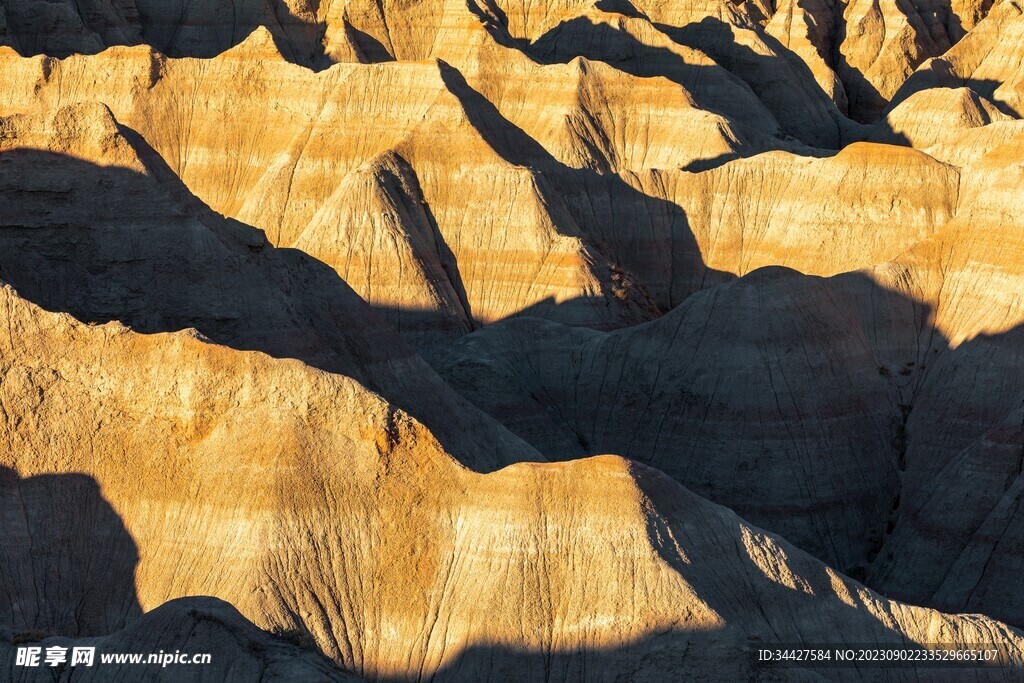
503,340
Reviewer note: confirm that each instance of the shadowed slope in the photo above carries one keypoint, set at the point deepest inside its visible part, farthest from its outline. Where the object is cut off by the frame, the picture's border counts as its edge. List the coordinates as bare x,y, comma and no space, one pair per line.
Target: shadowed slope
69,563
821,408
988,60
312,504
125,241
239,652
600,220
177,27
764,394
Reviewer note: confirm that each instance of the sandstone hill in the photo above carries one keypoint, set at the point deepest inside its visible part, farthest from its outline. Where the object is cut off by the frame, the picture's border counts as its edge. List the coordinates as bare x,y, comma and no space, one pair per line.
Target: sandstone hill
342,517
498,340
239,651
778,393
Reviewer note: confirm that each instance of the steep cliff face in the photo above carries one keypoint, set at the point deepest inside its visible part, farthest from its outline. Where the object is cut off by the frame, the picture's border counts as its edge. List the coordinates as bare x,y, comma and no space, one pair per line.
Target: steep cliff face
603,228
283,181
880,44
987,60
510,341
744,391
94,225
342,516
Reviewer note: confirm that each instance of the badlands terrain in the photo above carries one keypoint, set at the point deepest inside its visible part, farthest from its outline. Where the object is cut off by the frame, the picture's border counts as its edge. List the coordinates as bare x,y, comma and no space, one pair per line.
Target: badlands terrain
491,340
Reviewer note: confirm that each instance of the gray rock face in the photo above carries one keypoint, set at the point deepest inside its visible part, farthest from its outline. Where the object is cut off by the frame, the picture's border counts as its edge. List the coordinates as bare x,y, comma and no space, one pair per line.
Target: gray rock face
178,27
300,300
239,652
768,394
863,416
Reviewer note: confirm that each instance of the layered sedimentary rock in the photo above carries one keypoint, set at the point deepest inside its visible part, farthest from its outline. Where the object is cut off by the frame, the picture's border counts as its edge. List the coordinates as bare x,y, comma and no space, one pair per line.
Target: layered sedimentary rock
862,52
779,391
987,60
881,44
314,506
855,55
627,236
765,394
556,252
809,29
863,206
936,116
84,205
505,261
603,229
181,629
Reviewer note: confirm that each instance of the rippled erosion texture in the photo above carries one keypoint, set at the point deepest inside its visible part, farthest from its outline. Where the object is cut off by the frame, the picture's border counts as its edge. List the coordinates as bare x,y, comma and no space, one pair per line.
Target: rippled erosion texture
487,340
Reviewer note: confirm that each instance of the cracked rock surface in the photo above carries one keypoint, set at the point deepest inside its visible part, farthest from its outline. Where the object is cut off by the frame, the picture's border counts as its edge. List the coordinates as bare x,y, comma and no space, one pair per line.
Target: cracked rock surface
500,340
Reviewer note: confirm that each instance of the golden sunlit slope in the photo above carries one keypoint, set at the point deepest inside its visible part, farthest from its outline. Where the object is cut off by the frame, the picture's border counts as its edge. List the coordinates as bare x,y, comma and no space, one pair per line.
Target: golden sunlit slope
93,225
829,410
310,503
609,219
445,338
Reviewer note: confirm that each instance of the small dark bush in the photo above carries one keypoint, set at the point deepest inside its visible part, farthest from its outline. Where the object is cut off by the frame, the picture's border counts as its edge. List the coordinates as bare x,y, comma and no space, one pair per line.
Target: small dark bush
298,637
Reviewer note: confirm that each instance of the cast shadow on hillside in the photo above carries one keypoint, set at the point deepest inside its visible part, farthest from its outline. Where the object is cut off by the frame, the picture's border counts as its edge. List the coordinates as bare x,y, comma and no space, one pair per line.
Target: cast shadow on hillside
105,243
802,109
176,29
68,563
781,80
627,230
739,604
987,87
103,270
600,42
732,88
705,406
167,271
940,75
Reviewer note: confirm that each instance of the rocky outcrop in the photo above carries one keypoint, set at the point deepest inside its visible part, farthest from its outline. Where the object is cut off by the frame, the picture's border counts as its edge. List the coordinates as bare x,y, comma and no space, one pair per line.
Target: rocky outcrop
987,61
865,205
768,394
809,28
510,341
745,390
139,248
506,262
604,229
936,117
180,630
313,505
832,57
